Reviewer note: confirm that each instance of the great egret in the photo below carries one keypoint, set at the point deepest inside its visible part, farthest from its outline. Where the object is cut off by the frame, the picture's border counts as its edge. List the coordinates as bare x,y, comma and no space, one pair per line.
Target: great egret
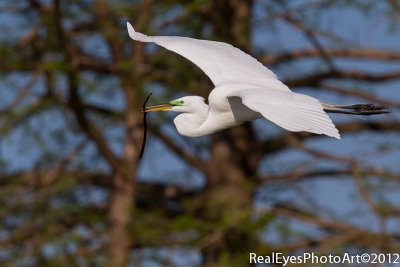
244,90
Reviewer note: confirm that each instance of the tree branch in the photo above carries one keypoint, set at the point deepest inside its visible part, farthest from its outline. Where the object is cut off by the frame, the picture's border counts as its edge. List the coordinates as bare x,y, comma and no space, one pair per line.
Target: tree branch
352,53
315,79
259,149
310,35
77,107
360,94
179,151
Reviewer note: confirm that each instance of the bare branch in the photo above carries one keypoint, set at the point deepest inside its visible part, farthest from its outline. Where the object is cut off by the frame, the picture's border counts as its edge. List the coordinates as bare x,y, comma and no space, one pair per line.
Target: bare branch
24,114
306,174
310,35
24,92
285,140
77,107
381,211
351,53
179,151
42,8
361,94
315,79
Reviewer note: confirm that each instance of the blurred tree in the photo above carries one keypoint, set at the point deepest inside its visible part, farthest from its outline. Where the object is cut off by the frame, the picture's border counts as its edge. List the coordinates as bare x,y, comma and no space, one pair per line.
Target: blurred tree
71,128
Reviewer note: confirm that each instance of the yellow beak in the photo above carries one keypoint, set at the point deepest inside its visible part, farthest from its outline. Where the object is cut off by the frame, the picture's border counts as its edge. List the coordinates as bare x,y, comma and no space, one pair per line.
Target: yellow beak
160,107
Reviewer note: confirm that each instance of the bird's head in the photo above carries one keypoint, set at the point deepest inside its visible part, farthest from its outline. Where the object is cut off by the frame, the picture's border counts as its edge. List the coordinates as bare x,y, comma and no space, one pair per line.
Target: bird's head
185,104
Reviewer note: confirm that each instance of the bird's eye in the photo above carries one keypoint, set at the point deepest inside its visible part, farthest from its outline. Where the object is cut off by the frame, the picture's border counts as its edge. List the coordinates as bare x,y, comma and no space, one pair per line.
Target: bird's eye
182,102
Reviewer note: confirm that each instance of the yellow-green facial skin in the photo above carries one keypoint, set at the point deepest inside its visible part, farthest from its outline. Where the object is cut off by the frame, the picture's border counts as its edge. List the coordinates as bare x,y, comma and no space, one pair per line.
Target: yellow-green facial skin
177,102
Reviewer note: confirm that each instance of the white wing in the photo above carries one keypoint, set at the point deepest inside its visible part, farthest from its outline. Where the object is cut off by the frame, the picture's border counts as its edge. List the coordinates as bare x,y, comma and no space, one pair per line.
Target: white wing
292,111
222,62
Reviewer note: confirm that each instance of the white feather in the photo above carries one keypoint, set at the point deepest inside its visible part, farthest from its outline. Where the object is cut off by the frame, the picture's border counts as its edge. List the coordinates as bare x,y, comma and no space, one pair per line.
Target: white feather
292,111
235,73
222,62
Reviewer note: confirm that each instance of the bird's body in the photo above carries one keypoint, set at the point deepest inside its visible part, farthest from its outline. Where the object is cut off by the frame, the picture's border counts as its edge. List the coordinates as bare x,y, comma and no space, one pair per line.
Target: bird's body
244,90
229,112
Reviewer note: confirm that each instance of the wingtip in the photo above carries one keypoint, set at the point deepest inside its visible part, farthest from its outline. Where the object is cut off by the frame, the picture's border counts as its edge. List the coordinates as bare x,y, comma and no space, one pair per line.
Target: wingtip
336,134
332,134
137,35
131,30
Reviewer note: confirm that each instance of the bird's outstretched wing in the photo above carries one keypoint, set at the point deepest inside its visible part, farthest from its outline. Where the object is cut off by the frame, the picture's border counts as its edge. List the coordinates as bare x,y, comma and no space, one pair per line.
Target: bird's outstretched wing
222,62
292,111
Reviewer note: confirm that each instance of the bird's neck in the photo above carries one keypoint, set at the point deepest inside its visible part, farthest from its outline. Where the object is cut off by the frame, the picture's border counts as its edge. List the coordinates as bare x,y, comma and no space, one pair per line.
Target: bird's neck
190,124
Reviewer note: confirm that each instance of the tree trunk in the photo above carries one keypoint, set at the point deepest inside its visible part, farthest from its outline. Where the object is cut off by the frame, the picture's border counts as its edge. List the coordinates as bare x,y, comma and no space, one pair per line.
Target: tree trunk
119,218
123,192
228,198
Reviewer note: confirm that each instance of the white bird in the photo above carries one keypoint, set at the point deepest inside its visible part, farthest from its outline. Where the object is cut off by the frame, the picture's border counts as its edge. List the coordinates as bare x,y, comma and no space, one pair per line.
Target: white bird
244,90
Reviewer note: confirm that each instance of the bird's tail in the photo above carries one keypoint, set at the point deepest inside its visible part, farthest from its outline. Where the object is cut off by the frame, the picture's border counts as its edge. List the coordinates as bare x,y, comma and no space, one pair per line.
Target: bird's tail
356,109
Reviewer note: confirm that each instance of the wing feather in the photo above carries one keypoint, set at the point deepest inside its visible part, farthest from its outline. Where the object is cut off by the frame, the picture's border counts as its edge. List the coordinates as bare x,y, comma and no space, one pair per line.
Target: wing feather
221,62
291,111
